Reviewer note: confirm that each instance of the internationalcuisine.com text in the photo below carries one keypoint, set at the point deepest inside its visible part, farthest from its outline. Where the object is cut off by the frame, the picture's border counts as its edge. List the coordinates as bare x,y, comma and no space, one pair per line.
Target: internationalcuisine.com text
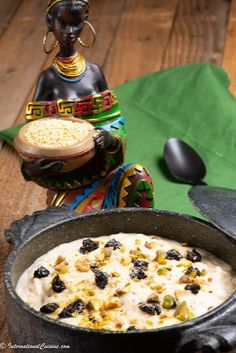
41,346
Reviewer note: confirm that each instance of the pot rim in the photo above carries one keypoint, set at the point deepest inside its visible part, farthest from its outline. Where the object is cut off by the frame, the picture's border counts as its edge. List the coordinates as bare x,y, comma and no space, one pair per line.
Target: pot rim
220,309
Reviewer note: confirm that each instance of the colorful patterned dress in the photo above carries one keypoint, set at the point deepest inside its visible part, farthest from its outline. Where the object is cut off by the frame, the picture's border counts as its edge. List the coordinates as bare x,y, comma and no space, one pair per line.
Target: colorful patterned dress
103,182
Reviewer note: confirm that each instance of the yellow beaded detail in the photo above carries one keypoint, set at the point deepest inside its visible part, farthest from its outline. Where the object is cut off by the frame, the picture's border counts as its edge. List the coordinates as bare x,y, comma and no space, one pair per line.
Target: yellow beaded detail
51,3
73,66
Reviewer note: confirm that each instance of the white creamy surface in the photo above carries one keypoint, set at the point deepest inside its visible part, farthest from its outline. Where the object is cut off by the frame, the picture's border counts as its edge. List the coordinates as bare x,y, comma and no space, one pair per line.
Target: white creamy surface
113,309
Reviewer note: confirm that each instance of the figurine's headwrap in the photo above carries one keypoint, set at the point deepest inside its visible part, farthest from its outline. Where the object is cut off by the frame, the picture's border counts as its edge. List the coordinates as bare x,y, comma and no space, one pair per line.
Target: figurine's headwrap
51,3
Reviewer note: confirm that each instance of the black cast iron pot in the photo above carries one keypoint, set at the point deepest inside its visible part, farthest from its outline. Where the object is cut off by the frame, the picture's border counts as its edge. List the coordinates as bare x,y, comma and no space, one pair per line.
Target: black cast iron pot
37,234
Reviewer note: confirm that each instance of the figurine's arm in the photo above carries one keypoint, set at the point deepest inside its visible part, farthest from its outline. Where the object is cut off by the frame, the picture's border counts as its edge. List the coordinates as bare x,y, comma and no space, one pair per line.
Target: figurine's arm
44,87
101,83
99,79
104,139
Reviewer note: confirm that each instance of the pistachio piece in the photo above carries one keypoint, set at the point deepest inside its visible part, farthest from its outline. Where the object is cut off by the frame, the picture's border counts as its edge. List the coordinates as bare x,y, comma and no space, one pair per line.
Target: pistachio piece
169,302
185,263
115,274
123,290
82,265
59,260
62,268
122,250
162,271
94,305
108,251
149,244
183,313
90,292
178,293
157,287
161,257
153,298
125,260
185,279
113,304
100,257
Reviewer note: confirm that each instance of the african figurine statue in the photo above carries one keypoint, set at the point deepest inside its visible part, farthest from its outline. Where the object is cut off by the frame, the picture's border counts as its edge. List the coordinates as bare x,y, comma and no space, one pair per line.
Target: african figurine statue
72,86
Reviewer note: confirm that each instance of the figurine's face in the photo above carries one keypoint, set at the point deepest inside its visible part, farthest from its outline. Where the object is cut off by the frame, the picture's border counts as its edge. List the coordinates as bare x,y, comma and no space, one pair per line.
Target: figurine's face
67,23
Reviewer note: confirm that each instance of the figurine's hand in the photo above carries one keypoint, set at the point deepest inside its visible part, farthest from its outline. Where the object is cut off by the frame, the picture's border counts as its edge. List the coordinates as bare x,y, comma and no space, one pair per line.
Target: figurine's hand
41,168
105,140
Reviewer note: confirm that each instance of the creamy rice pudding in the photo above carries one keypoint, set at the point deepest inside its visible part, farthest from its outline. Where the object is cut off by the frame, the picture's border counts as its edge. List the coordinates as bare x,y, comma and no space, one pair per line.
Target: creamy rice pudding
126,282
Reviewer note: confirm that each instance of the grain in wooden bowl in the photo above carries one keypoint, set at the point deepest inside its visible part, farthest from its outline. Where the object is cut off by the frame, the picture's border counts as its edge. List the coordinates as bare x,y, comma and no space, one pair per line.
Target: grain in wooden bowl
69,139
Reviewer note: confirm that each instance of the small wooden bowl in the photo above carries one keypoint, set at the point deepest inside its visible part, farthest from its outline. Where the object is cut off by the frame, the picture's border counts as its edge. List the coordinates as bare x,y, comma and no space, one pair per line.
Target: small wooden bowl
74,156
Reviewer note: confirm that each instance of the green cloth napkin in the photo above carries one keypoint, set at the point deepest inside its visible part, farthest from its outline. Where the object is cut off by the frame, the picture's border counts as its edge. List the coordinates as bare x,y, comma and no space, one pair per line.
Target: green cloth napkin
190,102
9,134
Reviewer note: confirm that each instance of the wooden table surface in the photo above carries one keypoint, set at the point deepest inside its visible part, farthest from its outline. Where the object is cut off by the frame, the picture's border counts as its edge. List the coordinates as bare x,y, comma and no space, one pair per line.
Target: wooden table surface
135,37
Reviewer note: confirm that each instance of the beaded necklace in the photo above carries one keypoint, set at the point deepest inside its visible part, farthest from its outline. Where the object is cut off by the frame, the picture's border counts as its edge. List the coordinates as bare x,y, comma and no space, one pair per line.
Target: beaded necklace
71,69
